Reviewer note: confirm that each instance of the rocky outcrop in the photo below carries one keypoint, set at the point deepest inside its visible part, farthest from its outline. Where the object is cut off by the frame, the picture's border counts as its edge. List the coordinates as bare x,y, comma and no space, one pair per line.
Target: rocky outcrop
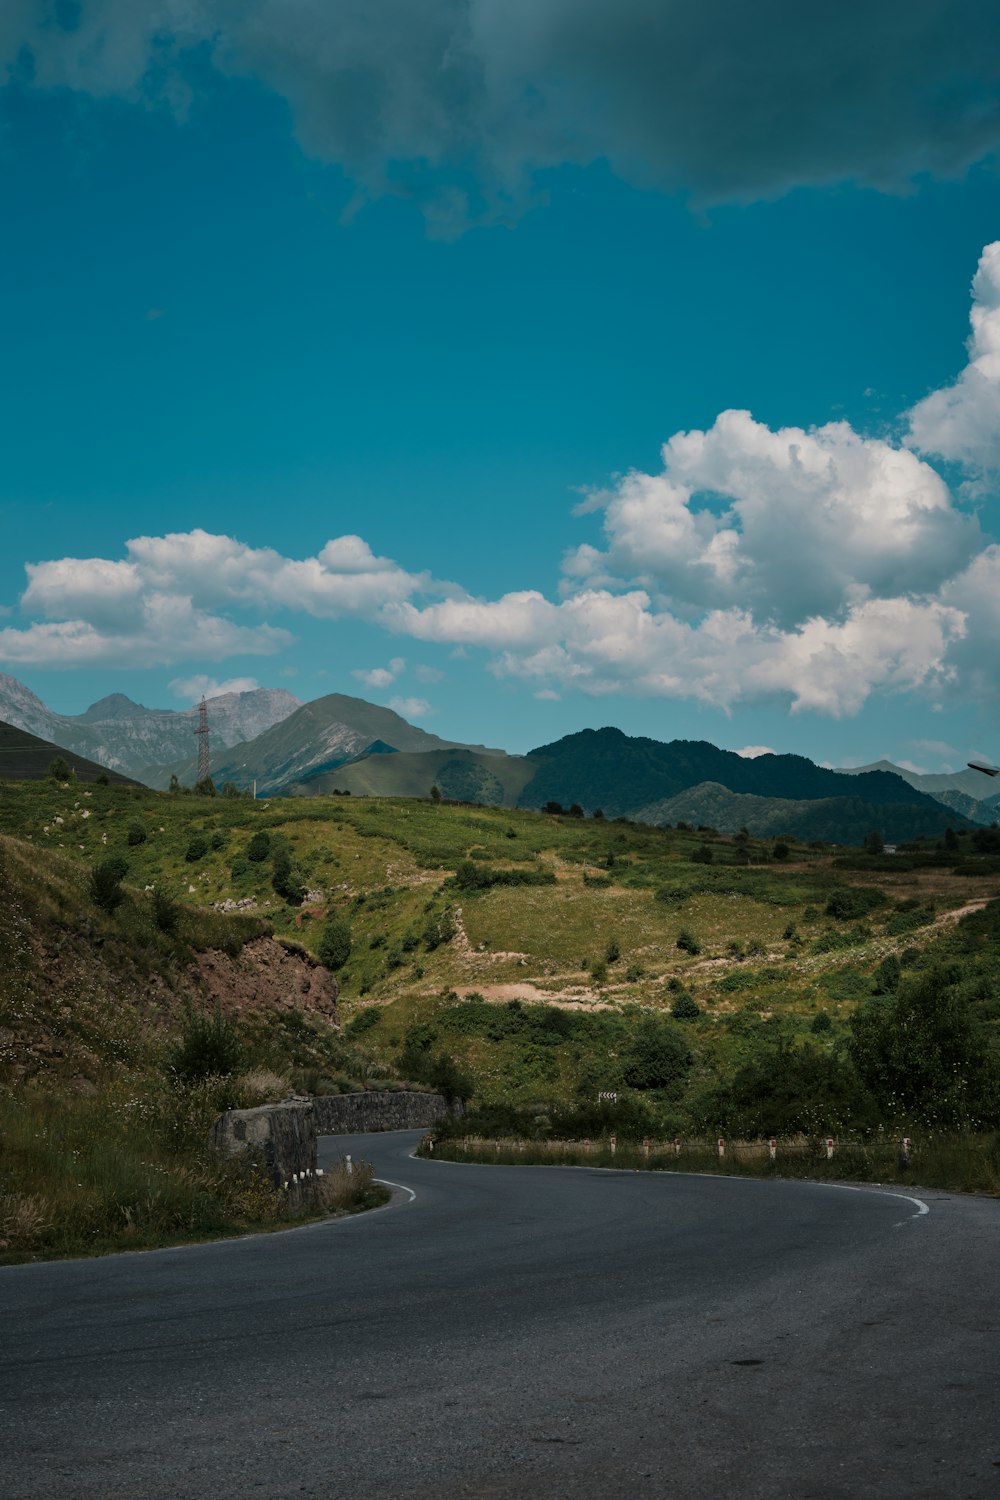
267,975
355,1114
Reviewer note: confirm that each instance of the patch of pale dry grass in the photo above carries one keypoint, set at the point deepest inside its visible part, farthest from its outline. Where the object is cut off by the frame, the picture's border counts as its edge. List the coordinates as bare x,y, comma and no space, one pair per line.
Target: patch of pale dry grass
262,1086
23,1216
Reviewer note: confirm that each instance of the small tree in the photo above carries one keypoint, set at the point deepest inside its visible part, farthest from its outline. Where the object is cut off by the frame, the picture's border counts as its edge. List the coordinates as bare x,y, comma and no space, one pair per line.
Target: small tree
435,793
685,1008
780,850
59,769
285,881
196,849
874,843
335,943
703,855
136,834
687,942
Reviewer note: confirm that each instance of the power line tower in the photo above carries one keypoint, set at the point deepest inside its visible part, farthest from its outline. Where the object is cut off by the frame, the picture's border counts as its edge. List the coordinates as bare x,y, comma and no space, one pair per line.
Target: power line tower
204,753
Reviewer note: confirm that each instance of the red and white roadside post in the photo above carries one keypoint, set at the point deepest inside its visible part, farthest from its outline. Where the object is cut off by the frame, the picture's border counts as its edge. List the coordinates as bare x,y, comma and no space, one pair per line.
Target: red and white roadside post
829,1148
772,1148
722,1148
677,1145
614,1144
904,1151
645,1145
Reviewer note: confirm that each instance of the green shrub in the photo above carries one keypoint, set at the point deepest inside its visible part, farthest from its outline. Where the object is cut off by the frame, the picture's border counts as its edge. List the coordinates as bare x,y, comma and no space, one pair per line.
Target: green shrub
703,855
439,929
259,847
239,866
209,1047
821,1021
106,883
136,834
196,849
285,880
477,877
165,913
658,1056
335,943
685,1008
687,942
364,1021
849,903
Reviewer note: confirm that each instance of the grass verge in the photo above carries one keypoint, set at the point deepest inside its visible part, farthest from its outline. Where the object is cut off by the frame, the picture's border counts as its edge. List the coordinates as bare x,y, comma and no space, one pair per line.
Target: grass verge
130,1169
954,1163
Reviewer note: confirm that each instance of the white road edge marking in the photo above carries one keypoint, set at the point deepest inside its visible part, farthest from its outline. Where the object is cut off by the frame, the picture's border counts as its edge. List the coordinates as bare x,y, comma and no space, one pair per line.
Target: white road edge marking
845,1187
401,1185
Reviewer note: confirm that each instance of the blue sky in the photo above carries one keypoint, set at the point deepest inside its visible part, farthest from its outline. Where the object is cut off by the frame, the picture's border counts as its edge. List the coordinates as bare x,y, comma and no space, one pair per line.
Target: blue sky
445,279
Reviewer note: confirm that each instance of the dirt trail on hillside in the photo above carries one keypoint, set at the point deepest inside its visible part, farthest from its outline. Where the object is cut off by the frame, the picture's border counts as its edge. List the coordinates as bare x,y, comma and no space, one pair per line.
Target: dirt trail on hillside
525,990
959,912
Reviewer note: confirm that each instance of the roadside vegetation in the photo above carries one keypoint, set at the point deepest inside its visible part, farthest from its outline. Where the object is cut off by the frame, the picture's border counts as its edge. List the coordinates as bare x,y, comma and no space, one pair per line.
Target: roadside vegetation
526,963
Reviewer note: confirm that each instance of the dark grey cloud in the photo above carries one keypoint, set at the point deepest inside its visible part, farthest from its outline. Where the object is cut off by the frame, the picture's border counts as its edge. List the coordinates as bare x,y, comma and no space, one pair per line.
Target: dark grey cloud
723,99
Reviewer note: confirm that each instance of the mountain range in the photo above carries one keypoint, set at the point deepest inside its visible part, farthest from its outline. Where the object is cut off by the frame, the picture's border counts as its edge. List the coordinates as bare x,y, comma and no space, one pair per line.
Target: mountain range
266,739
127,737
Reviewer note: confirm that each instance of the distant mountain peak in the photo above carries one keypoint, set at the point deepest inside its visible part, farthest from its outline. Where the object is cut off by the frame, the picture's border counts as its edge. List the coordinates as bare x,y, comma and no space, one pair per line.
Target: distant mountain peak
115,706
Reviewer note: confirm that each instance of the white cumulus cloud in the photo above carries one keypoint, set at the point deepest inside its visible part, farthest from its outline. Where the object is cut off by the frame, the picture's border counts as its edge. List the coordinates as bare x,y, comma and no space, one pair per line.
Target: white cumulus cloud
788,524
962,422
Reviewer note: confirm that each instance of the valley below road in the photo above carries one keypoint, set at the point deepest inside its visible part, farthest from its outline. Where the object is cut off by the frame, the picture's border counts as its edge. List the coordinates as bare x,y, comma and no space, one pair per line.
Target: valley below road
517,1332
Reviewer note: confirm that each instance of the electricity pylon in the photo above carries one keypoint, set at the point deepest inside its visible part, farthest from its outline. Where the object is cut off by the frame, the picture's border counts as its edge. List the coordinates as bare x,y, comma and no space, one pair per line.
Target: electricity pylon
204,753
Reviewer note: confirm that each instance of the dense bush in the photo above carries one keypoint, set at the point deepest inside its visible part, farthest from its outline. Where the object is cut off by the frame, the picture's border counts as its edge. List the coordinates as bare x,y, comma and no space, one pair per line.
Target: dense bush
259,847
106,883
849,903
335,943
136,834
285,880
658,1056
476,877
196,849
924,1052
685,1008
209,1047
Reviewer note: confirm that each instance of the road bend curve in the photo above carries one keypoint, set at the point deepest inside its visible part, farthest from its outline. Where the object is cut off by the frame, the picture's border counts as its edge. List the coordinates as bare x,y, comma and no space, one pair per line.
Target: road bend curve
523,1332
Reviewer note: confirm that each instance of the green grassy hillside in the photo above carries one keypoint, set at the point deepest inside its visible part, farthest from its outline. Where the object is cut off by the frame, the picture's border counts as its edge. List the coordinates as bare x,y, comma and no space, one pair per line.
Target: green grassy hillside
553,958
25,756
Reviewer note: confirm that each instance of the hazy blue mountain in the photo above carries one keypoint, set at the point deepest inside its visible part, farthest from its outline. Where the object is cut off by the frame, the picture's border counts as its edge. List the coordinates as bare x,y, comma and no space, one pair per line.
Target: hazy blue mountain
127,737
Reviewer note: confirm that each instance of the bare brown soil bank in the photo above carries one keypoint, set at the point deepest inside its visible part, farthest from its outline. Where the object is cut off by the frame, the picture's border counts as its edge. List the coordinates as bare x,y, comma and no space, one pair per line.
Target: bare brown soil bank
266,975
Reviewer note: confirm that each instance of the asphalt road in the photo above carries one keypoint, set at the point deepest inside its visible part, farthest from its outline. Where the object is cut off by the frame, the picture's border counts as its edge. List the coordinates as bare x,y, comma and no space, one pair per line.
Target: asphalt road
522,1332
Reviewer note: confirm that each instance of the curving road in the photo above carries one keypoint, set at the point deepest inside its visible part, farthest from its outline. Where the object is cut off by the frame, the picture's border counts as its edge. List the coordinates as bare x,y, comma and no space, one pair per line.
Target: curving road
523,1332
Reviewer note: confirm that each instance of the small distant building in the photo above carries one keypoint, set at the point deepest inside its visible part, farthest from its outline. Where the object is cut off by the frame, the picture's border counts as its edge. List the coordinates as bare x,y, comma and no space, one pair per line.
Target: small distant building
888,848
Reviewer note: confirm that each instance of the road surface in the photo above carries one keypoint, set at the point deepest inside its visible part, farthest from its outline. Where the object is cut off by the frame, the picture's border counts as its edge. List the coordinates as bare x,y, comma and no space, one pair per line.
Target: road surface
517,1332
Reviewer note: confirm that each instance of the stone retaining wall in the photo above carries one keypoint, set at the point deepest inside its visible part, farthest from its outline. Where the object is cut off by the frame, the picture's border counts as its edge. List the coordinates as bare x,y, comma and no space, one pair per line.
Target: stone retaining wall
355,1114
281,1138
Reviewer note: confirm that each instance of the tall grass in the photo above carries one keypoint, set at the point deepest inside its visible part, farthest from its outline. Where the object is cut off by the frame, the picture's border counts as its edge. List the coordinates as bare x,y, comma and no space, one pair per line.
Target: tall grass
955,1163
